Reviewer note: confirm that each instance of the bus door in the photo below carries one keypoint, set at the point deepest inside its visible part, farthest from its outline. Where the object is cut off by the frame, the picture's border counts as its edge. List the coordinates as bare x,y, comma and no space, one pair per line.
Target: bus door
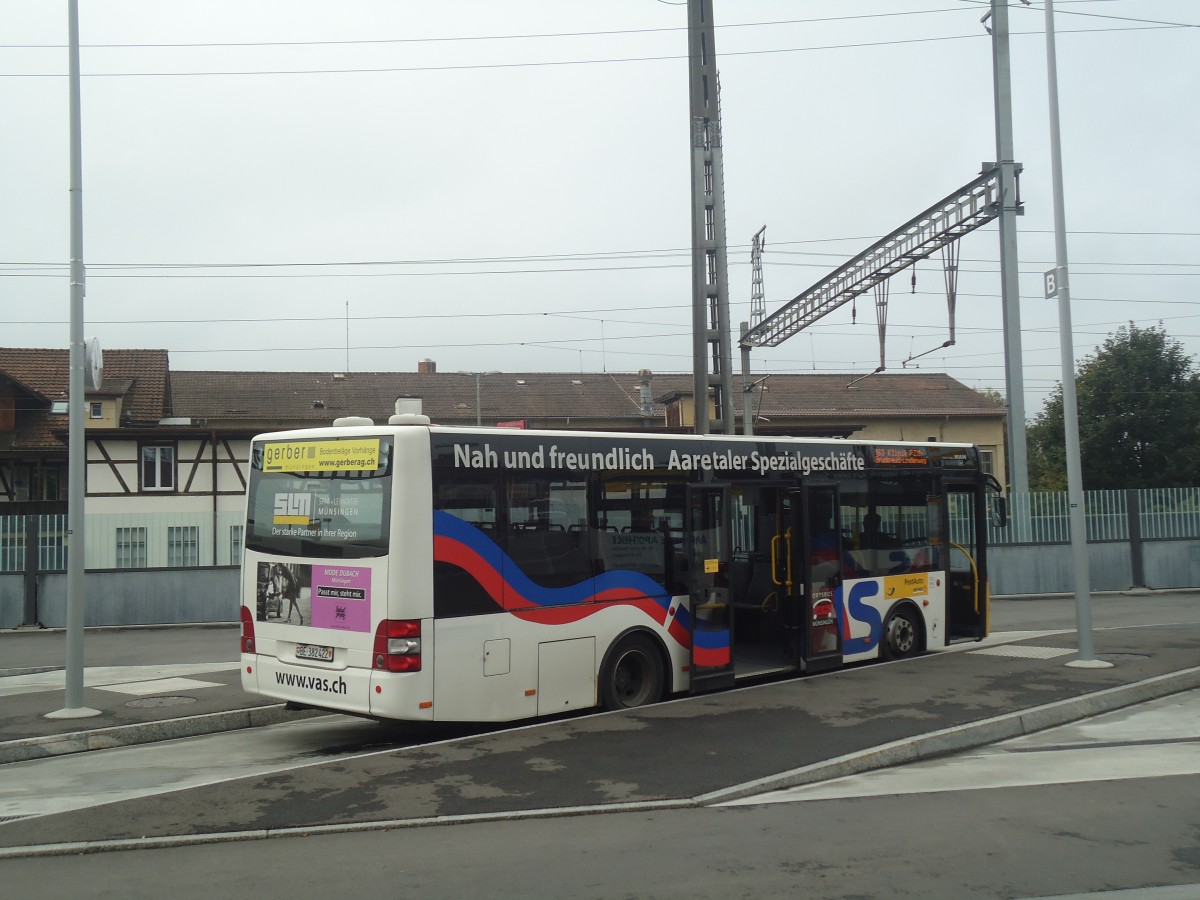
707,542
815,566
966,569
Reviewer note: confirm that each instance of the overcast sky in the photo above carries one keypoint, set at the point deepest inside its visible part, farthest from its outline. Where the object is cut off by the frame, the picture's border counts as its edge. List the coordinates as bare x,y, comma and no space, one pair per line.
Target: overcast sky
294,185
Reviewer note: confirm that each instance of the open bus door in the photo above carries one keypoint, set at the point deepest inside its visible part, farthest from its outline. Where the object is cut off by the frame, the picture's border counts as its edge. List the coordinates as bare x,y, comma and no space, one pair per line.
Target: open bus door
966,567
814,566
707,540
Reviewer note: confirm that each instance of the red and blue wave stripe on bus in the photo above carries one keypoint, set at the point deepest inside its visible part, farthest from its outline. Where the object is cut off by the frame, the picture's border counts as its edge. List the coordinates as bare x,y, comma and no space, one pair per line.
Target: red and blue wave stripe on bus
711,649
461,544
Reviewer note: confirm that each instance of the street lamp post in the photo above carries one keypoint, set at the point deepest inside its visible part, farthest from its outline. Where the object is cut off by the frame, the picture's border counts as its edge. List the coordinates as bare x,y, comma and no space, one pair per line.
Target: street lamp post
77,447
1058,285
478,408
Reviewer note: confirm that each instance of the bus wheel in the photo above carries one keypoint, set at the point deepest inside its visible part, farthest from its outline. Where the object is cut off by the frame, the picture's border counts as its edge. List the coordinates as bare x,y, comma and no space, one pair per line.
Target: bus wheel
633,675
900,635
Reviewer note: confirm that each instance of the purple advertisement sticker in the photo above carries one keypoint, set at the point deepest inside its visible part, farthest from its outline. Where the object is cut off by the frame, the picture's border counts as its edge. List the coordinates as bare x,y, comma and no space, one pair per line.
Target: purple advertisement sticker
341,598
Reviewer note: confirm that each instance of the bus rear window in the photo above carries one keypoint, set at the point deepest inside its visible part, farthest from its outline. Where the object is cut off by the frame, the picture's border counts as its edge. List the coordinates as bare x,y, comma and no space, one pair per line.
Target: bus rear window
340,509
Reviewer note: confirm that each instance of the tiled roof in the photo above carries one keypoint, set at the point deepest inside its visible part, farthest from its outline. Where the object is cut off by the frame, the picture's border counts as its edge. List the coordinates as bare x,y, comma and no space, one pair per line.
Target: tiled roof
139,377
569,397
150,392
886,394
143,373
445,397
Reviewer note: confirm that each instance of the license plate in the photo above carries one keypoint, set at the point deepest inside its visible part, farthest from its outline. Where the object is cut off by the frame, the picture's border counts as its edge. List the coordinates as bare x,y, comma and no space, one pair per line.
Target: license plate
314,651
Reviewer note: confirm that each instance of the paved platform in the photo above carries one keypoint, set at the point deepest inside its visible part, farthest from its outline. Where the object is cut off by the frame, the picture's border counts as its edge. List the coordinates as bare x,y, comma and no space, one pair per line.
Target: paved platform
688,752
137,705
176,689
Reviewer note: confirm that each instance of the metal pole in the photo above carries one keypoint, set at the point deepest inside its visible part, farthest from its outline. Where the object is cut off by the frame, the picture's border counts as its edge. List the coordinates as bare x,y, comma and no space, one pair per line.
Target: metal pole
77,450
478,410
1018,459
1079,551
712,364
747,385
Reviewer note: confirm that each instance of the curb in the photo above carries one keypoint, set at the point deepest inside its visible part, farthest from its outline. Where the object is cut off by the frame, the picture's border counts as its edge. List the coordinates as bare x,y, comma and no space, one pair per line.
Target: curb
936,743
965,737
148,732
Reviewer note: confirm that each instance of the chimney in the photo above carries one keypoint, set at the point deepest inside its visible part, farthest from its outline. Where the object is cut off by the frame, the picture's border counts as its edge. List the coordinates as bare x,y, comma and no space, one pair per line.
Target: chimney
645,397
426,367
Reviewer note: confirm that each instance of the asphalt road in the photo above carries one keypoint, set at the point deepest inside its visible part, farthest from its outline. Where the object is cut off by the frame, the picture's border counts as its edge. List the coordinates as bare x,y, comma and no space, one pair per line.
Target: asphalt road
1106,807
1071,826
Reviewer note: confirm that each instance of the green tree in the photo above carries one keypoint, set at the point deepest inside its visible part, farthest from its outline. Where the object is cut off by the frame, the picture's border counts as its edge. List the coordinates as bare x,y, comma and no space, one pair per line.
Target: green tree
1139,417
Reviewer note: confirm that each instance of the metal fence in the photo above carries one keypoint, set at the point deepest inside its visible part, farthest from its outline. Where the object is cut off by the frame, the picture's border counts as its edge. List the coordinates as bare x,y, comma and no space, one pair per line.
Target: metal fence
1149,514
125,541
199,540
1170,513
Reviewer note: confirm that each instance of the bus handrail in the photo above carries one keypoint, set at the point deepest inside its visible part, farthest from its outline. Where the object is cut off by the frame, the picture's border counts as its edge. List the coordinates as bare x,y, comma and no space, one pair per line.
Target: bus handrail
974,570
786,536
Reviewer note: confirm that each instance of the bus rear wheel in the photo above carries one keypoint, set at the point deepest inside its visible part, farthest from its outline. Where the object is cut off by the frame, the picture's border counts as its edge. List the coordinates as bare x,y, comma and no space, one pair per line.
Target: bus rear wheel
901,635
633,674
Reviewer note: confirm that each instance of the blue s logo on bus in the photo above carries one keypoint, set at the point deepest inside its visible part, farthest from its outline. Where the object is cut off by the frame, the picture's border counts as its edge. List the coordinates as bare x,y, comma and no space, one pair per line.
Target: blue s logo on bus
861,612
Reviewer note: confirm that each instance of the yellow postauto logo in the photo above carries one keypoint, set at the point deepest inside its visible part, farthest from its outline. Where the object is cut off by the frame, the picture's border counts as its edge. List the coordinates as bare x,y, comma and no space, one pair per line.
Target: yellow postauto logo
321,456
912,585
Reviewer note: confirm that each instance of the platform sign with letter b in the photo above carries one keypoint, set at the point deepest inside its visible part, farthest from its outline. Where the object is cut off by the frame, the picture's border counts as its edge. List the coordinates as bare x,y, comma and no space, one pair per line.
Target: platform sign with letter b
1055,278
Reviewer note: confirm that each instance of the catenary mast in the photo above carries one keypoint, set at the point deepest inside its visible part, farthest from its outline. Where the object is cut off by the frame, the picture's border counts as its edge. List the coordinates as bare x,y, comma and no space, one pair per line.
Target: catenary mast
711,354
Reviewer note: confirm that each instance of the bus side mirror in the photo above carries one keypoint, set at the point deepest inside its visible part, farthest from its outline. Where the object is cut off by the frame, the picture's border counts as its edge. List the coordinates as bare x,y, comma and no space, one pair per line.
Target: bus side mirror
999,512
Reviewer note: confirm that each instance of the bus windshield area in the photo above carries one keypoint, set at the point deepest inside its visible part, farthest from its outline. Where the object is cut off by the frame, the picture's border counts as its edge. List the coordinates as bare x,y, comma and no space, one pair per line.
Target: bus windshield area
340,513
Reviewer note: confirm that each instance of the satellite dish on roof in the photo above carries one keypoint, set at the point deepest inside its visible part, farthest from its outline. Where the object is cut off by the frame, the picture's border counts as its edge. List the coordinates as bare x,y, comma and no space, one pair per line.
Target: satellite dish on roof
93,364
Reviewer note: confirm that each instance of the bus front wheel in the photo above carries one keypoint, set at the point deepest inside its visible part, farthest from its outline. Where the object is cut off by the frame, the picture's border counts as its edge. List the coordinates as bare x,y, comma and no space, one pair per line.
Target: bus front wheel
633,674
901,635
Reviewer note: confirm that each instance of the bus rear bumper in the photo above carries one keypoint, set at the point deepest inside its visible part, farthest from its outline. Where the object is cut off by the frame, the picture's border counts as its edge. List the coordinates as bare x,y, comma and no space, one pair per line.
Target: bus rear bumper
311,686
356,691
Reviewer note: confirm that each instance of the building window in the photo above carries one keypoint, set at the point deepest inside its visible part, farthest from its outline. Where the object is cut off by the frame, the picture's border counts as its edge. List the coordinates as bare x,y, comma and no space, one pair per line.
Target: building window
235,544
987,461
12,544
52,484
96,410
158,467
131,548
52,547
183,546
22,483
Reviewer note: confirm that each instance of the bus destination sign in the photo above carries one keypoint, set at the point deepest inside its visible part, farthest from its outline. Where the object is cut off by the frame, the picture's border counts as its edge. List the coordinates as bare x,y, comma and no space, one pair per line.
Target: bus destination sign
901,456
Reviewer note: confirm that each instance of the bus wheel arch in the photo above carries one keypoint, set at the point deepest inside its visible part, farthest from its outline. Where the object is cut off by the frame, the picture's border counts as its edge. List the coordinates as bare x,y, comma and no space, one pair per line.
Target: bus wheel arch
903,633
634,671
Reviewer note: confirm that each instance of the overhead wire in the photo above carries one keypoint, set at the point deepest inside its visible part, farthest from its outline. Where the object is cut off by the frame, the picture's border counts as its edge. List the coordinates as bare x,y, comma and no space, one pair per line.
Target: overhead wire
724,26
528,64
551,345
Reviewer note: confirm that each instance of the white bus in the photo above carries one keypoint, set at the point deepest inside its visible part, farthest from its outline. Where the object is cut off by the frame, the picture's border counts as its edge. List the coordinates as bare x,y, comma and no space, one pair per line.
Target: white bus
413,571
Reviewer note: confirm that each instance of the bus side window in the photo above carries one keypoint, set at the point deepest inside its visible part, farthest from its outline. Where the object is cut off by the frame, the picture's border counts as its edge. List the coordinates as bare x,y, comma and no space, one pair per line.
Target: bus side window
471,499
540,542
640,528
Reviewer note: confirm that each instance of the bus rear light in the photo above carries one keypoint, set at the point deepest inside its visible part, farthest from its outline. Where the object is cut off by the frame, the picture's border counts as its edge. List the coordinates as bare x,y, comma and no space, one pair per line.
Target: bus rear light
398,646
247,631
403,646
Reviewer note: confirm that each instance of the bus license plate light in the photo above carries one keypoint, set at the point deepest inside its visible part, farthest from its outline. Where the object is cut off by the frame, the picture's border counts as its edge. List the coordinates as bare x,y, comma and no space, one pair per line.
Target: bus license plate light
314,651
